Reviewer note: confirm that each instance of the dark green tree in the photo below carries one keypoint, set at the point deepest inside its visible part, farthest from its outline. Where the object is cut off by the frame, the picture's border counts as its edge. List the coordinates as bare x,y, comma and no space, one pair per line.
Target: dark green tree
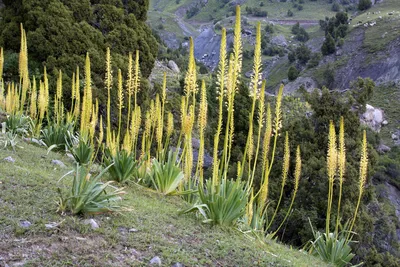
364,4
328,47
303,54
293,73
60,32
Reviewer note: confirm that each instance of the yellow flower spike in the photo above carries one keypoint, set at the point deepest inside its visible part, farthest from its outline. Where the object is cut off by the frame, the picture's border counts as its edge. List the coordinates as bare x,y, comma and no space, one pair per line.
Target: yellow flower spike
341,162
136,77
120,102
41,101
101,133
77,95
285,170
129,85
362,179
108,82
331,166
33,108
190,79
1,62
170,124
202,123
297,174
2,98
87,98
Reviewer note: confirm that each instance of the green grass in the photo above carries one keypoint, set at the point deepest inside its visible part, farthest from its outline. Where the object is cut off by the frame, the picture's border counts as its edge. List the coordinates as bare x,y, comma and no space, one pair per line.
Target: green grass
276,10
278,73
387,98
28,192
387,28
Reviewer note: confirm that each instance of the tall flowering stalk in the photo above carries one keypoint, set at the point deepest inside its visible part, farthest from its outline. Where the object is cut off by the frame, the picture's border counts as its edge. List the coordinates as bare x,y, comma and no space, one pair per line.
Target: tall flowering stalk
285,171
263,193
202,123
129,86
233,75
255,95
120,102
136,77
108,82
77,95
331,163
220,92
297,174
362,179
33,105
87,99
341,169
23,68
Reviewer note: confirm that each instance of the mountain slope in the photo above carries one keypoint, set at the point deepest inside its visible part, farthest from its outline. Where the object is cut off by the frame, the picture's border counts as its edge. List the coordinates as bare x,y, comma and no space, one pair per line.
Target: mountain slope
152,228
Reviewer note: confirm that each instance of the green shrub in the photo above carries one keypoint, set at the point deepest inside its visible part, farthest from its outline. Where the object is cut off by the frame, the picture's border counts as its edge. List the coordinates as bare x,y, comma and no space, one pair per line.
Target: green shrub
18,124
7,139
364,4
166,176
80,149
55,136
89,195
223,204
123,166
293,73
328,47
332,248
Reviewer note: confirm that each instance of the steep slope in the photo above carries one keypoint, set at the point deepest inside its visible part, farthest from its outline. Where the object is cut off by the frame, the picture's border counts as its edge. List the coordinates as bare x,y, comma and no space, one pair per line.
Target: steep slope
33,233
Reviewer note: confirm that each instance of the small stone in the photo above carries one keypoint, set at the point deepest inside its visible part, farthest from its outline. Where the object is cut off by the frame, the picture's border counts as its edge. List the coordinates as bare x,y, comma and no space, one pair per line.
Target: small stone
135,253
385,122
58,163
25,224
133,230
69,155
177,264
92,223
9,159
395,136
155,261
52,225
34,141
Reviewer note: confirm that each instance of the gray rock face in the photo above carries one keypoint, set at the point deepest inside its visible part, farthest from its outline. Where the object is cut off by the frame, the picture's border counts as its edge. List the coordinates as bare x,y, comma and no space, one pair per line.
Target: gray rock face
373,118
172,65
9,159
308,83
155,261
279,40
382,69
58,163
207,47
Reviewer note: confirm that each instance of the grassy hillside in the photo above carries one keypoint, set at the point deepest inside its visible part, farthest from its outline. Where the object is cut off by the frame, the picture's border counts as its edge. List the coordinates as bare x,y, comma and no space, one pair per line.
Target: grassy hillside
152,228
217,9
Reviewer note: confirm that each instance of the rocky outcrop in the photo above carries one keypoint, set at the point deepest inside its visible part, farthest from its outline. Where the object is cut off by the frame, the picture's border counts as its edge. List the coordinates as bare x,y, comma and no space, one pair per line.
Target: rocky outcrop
373,118
381,68
172,65
308,83
279,40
